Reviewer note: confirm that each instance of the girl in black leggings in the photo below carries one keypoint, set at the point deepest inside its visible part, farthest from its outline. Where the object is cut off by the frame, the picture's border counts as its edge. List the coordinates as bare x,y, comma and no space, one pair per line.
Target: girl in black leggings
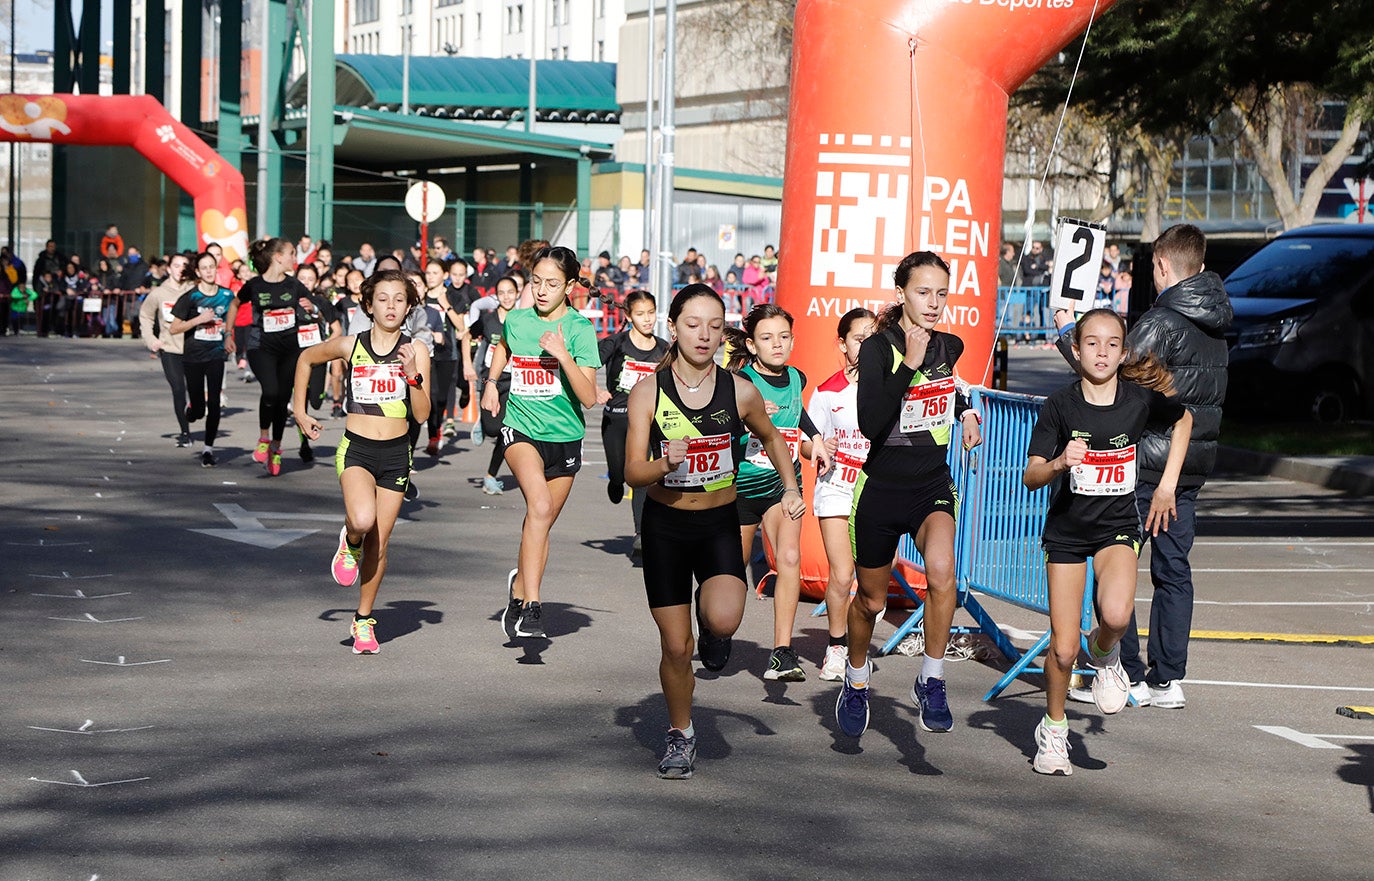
281,308
489,327
200,315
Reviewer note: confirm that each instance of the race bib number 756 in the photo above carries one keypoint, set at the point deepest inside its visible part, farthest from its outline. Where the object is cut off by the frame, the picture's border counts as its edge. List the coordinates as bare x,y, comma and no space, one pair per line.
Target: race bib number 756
928,406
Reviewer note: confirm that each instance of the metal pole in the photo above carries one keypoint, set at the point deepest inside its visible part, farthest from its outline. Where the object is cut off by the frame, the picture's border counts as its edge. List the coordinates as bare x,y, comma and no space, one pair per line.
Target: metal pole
649,146
13,211
264,123
667,130
534,80
405,66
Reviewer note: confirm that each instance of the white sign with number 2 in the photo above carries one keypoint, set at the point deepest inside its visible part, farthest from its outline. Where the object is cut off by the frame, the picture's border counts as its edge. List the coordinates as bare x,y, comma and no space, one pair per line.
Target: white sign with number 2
1078,251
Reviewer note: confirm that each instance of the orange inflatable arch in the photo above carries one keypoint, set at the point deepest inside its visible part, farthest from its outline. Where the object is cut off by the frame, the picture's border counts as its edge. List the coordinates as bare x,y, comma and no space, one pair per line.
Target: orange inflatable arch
141,122
895,143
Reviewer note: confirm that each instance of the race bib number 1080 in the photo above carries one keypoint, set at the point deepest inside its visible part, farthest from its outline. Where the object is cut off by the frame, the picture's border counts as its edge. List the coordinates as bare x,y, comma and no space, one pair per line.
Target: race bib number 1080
533,377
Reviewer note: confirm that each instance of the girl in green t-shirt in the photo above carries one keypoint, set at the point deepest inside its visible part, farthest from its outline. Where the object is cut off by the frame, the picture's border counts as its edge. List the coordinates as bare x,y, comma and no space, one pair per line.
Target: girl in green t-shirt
552,352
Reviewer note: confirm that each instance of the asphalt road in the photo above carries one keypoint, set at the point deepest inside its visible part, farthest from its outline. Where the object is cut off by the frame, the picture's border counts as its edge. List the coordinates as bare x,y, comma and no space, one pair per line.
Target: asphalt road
201,688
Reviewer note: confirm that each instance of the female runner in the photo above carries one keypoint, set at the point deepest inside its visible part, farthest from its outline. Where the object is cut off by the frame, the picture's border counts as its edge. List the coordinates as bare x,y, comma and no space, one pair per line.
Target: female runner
908,405
759,353
834,409
686,436
630,355
155,327
281,309
1089,430
489,326
386,374
201,312
553,356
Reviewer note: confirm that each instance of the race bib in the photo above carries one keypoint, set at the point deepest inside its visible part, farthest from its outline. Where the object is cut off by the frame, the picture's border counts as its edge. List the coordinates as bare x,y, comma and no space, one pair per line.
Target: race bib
308,335
210,332
755,454
278,320
631,372
167,316
533,377
928,406
709,459
1104,473
378,383
844,471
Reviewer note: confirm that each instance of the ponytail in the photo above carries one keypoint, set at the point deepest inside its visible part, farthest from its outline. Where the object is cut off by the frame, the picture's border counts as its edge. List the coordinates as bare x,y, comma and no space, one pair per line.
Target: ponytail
261,252
736,344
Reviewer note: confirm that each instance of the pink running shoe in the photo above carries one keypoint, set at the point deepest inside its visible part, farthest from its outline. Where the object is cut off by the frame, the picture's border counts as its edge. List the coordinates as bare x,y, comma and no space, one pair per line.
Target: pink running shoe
260,451
364,638
346,561
274,460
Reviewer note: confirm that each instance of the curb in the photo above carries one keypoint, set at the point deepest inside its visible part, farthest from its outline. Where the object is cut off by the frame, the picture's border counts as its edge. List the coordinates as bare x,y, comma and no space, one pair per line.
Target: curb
1337,473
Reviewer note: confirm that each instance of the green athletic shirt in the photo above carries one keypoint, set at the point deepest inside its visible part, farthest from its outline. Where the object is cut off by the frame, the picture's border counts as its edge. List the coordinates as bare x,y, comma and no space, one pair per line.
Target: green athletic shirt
760,481
542,405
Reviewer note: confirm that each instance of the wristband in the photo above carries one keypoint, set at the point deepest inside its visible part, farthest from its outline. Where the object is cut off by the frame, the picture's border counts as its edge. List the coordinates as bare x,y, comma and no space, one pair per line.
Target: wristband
791,490
977,417
417,381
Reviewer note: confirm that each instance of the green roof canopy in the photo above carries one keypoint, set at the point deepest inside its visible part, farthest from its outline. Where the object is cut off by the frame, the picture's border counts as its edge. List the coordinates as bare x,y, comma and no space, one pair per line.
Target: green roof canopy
475,88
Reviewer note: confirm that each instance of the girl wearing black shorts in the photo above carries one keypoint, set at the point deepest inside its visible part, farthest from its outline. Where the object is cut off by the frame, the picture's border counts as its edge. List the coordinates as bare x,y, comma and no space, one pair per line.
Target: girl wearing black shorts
685,440
281,311
201,315
908,406
1084,442
488,325
385,379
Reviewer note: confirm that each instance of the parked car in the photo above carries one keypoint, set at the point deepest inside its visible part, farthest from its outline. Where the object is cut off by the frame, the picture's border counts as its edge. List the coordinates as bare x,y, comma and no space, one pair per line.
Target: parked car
1302,343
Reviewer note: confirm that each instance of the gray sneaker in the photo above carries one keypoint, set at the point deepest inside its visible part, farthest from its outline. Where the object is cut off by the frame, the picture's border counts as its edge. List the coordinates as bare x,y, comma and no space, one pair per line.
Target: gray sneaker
679,756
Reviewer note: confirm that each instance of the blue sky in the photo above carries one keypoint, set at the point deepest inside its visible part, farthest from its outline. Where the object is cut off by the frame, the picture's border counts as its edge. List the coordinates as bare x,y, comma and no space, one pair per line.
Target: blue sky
33,19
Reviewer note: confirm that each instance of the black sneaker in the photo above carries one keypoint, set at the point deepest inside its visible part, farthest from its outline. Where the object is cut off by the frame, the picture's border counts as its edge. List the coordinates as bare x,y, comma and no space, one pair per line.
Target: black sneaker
207,459
511,613
637,548
714,651
307,453
412,491
530,624
679,756
615,491
338,412
784,664
184,439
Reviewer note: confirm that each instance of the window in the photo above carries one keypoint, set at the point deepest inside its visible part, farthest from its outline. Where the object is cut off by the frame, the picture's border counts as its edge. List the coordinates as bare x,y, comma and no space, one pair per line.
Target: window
515,18
367,11
447,2
600,52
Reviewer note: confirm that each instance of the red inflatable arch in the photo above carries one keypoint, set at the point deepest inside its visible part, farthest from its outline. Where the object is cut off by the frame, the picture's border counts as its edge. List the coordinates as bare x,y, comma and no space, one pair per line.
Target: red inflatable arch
141,122
895,142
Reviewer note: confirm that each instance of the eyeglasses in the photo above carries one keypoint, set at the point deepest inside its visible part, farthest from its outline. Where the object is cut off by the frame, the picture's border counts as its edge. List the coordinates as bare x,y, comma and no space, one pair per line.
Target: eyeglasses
548,284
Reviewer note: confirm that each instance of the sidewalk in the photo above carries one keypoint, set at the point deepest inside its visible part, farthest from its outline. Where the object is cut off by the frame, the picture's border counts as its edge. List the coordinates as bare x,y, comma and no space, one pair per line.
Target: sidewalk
1034,370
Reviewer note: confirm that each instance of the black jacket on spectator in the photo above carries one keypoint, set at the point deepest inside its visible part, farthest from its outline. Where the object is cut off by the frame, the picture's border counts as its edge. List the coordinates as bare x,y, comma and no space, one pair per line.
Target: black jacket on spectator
135,276
1184,329
45,262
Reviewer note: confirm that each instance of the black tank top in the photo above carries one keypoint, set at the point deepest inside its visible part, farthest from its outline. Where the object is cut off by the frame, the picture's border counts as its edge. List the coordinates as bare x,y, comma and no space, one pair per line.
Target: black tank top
376,384
715,434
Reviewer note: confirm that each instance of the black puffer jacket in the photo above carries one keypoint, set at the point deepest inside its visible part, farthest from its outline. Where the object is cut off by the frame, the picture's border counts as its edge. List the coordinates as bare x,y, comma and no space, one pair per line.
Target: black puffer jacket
1184,330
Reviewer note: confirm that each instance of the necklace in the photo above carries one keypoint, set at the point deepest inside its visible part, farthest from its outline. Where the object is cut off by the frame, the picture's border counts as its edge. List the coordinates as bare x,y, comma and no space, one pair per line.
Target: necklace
700,382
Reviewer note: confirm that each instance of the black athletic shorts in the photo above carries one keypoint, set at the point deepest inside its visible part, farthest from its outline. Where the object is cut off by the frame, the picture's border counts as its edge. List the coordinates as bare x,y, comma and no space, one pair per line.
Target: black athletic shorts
751,510
388,461
561,459
680,545
884,512
1080,551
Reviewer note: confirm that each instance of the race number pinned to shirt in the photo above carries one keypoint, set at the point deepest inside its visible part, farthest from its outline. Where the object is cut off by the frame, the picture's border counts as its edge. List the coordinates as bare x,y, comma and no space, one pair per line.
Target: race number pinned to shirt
757,455
1078,247
928,406
210,332
308,335
1104,473
534,377
631,372
278,320
167,316
844,471
378,383
709,459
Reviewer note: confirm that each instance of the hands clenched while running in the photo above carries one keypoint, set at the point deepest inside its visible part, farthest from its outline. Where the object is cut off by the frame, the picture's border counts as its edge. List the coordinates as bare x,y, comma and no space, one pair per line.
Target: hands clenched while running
308,425
676,452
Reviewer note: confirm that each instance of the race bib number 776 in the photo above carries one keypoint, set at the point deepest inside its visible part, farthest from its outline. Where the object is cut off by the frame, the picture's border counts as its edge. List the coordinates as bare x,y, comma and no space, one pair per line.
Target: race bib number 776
1104,473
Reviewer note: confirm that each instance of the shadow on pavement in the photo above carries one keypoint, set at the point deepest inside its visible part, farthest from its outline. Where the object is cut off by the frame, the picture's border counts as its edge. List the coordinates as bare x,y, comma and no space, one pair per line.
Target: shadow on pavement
1015,721
396,619
1359,769
648,722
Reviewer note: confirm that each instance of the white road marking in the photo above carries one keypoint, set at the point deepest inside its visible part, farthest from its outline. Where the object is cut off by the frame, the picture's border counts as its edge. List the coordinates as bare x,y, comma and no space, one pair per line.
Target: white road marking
84,784
91,619
121,662
1311,741
1271,569
1304,542
1192,681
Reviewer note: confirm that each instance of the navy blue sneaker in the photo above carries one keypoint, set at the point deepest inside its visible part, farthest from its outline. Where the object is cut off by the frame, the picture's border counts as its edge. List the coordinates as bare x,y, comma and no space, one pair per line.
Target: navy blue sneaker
930,698
851,709
713,650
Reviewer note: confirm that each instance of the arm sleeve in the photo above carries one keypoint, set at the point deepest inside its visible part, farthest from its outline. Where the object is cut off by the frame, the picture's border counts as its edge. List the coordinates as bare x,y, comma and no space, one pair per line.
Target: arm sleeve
807,426
880,387
819,411
1044,440
481,305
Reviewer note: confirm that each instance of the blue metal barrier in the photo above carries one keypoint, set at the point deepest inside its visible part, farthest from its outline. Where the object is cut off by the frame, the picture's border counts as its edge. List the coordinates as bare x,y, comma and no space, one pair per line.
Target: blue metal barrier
1024,314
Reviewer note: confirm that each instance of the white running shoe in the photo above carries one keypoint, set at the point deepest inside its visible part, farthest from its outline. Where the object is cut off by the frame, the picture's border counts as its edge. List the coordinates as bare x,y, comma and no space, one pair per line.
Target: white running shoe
1111,686
832,668
1139,690
1052,750
1168,696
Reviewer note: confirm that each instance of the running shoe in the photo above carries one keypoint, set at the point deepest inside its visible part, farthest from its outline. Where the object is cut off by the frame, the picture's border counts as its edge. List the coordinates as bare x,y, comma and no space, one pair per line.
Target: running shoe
637,547
851,707
477,435
338,412
260,451
930,699
1111,686
412,491
1052,750
192,415
783,664
832,668
207,459
492,487
184,439
346,562
364,637
1167,695
615,492
450,430
274,460
514,606
530,624
713,650
433,448
679,756
307,452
